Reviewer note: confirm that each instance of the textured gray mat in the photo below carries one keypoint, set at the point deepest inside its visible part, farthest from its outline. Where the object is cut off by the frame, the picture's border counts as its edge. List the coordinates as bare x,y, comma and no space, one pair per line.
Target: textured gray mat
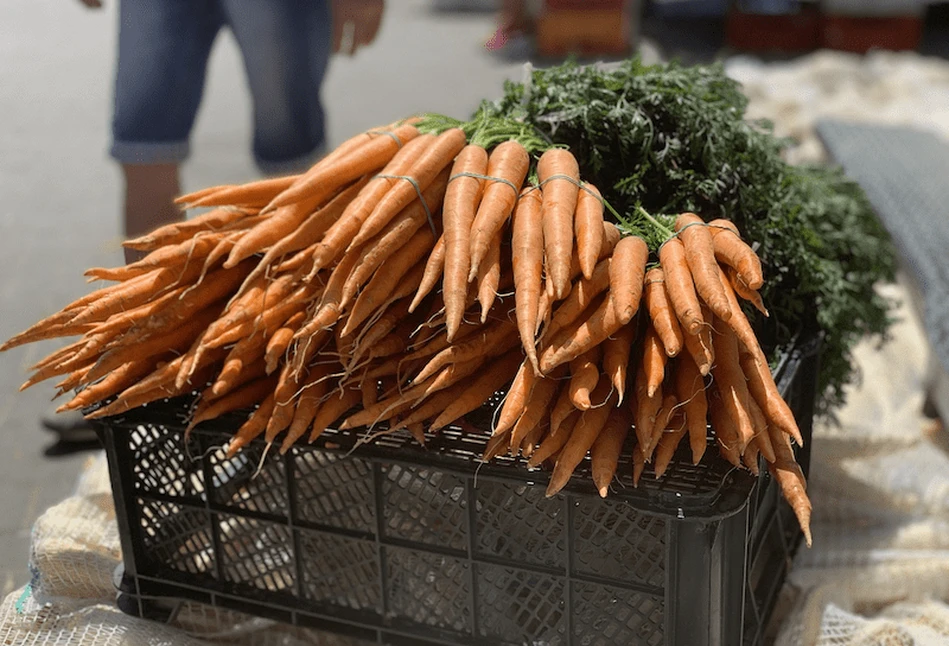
905,173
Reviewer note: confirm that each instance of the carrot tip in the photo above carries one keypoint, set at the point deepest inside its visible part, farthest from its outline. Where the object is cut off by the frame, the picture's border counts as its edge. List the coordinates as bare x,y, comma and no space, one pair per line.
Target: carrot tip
603,491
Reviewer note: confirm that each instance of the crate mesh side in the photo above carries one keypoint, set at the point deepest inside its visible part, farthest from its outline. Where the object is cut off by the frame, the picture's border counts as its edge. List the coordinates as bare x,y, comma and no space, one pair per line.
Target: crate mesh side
340,571
425,505
607,616
612,539
519,607
334,490
519,523
246,482
428,589
256,553
175,537
161,462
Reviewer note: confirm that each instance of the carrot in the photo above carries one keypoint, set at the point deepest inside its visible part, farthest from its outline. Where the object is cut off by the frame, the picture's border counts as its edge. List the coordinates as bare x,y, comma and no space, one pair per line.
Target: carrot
605,452
740,325
639,464
484,385
663,418
508,164
645,408
581,296
188,198
574,341
536,407
588,227
175,232
387,276
243,361
588,427
762,438
527,263
552,444
489,277
727,373
562,409
584,377
515,399
386,407
660,311
48,333
559,177
257,193
462,198
616,353
700,347
323,179
332,410
700,257
433,406
666,449
243,398
654,362
433,161
408,228
726,433
280,341
434,267
750,458
679,285
765,392
177,338
731,250
532,440
492,341
311,230
742,289
339,236
627,272
254,426
313,391
329,309
191,250
690,390
495,446
116,381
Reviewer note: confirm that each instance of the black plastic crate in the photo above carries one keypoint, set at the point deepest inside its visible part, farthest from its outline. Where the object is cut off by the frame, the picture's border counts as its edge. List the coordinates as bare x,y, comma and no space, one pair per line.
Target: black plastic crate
395,544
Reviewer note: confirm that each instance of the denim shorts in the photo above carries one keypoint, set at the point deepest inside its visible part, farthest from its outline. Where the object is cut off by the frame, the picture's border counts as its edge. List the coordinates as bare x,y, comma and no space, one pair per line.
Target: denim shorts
163,49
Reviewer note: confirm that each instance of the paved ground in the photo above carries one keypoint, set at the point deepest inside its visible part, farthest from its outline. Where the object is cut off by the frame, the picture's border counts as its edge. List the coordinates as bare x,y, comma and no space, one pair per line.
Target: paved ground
59,193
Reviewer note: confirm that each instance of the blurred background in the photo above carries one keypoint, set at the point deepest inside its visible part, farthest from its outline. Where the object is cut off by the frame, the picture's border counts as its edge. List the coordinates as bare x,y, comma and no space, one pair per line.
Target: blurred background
60,194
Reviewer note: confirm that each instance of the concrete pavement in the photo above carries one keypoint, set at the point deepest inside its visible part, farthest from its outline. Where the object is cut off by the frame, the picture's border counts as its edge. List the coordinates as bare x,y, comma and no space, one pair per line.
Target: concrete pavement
59,193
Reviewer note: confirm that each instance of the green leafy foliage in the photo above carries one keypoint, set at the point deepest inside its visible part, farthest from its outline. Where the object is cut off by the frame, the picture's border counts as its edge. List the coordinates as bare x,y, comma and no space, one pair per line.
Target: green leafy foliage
666,139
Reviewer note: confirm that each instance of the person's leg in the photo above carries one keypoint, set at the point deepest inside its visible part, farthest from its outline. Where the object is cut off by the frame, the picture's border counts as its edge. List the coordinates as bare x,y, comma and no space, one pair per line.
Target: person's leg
286,48
163,49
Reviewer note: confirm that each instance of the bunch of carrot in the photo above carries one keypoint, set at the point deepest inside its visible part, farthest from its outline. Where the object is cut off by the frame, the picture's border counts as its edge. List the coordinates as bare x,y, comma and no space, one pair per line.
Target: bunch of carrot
411,275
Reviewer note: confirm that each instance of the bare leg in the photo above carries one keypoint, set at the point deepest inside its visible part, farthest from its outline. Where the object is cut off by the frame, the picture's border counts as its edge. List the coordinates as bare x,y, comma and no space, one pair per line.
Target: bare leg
150,190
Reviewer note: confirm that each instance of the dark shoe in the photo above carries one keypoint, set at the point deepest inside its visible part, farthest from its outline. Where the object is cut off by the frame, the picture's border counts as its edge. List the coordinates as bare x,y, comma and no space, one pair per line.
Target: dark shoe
71,427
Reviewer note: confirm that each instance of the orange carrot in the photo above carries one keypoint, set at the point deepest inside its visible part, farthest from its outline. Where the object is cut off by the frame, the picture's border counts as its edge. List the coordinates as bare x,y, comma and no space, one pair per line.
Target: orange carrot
660,312
434,160
727,373
583,294
584,377
663,418
679,285
605,452
254,426
191,250
639,464
280,341
483,386
243,398
616,352
332,409
731,250
528,265
588,227
116,381
690,390
666,448
489,277
536,407
562,409
515,399
462,198
175,232
762,437
645,409
700,257
582,436
559,176
434,267
323,179
726,433
492,341
508,164
765,392
654,362
531,440
745,292
700,347
627,272
312,393
552,444
574,341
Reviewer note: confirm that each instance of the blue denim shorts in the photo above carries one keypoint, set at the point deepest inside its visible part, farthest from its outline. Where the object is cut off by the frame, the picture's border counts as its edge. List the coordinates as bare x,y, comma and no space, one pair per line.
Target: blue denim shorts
163,49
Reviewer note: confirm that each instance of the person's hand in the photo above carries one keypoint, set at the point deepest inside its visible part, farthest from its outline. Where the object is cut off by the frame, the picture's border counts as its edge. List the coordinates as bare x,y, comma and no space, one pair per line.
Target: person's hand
355,23
92,4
